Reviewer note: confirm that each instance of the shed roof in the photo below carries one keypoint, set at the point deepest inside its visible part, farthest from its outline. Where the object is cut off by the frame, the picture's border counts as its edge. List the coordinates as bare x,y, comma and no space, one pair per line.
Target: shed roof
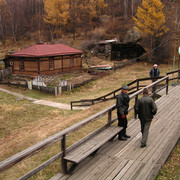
46,50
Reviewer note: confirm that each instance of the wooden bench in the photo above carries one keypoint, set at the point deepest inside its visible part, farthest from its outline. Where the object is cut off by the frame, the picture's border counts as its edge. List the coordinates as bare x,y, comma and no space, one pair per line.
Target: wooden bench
92,144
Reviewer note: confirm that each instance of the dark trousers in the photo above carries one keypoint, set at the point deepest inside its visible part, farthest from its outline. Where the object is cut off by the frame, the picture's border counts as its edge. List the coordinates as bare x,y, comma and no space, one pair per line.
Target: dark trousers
145,131
122,123
122,132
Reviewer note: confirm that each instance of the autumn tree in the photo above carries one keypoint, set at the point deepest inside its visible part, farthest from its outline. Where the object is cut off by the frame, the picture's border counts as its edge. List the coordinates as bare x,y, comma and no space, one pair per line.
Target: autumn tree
56,14
83,12
150,20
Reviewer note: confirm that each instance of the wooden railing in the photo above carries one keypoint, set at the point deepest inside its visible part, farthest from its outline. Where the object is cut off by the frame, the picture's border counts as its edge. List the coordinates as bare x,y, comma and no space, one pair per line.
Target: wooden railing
114,93
172,73
62,135
134,86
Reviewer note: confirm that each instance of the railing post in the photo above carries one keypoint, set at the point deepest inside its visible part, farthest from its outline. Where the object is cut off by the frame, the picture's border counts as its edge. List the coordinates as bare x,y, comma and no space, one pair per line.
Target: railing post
109,117
136,99
135,115
114,95
167,85
71,105
154,91
63,161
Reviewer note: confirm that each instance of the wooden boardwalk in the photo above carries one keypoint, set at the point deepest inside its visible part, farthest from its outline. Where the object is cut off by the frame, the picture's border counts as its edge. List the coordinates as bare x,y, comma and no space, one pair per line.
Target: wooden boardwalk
125,159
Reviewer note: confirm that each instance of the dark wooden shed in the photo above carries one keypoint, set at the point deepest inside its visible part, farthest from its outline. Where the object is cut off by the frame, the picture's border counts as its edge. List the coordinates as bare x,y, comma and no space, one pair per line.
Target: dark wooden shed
126,51
44,59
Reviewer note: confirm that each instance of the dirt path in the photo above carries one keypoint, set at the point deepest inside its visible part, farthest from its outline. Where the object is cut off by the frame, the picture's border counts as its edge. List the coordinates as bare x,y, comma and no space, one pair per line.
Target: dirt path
41,102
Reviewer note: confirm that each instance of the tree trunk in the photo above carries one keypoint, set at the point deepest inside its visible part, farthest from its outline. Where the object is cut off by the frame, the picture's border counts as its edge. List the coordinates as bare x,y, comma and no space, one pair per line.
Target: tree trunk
50,30
125,9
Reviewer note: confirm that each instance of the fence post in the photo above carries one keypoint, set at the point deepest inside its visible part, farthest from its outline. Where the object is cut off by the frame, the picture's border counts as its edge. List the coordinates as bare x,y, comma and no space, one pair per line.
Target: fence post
55,91
114,95
154,91
71,105
136,99
167,85
59,89
63,161
109,117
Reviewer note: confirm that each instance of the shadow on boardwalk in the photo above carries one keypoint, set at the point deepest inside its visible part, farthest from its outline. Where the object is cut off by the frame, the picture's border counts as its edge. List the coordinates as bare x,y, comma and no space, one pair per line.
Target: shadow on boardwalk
126,160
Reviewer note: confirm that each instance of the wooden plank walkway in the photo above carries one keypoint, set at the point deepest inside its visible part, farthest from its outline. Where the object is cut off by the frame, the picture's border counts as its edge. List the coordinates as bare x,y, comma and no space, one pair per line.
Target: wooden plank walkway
125,159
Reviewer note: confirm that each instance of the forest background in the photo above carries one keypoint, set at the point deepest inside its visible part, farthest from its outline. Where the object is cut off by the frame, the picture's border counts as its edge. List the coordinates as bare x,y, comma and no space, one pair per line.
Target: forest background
79,23
24,23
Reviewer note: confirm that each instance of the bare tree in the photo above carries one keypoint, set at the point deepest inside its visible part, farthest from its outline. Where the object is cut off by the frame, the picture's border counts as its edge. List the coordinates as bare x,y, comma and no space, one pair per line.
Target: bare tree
125,9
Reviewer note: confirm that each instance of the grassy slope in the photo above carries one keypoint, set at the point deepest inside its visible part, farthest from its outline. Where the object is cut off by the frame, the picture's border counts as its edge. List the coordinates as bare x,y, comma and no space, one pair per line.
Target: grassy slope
24,124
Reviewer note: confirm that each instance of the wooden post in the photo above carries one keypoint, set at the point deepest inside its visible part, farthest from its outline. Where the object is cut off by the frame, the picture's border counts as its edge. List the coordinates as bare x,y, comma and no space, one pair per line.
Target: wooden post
63,148
109,117
153,91
71,105
167,85
136,99
114,95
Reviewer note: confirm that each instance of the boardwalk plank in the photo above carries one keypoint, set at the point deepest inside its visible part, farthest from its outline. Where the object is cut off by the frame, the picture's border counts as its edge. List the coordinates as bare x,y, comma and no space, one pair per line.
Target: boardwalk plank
144,173
126,160
124,170
134,170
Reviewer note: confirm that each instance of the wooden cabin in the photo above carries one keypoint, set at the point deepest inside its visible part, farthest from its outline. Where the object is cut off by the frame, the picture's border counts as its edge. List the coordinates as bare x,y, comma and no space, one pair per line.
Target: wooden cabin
44,59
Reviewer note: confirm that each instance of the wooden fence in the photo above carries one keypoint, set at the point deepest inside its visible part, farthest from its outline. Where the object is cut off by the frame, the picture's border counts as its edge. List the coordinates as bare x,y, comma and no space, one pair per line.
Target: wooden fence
62,135
134,86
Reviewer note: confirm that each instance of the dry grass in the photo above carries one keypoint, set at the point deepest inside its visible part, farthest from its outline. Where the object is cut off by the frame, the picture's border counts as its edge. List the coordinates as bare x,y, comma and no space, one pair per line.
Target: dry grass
171,169
24,124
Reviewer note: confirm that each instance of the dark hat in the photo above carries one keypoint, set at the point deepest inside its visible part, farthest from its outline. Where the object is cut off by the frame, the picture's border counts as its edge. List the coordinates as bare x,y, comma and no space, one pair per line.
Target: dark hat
125,87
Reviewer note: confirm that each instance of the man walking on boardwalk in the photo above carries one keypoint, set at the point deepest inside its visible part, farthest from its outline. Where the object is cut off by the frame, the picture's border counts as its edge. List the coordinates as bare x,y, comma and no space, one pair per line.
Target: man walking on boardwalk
122,105
145,108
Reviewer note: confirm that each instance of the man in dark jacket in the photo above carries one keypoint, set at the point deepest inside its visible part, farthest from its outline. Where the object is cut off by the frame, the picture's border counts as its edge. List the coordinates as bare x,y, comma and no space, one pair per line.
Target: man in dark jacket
154,72
146,109
122,105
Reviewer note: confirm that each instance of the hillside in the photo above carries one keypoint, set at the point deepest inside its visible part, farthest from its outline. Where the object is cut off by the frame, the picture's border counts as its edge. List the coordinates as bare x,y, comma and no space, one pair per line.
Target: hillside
104,29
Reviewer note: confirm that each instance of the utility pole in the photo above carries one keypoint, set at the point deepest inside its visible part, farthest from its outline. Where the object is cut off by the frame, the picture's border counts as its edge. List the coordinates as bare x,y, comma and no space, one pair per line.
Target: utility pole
175,52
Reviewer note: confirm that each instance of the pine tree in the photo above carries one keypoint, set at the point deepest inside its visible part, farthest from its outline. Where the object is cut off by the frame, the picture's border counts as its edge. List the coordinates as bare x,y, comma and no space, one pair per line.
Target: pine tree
150,19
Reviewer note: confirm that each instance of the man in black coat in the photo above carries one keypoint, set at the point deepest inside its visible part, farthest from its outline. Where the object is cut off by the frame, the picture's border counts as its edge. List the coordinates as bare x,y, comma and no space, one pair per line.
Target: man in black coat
146,109
122,105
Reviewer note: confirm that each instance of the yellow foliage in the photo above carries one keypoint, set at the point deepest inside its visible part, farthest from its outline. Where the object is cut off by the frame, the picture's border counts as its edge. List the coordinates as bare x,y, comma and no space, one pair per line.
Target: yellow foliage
150,18
3,8
56,12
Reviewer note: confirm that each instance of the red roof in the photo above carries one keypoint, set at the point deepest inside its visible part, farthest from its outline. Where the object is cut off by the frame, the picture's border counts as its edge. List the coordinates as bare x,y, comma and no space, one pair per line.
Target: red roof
46,50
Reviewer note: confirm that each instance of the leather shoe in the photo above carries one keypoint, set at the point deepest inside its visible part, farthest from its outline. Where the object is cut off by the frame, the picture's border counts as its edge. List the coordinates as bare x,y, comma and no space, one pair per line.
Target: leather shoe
121,138
126,136
143,145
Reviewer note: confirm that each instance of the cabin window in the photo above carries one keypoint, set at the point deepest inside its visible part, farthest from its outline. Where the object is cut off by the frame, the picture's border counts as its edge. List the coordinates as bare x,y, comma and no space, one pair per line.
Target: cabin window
21,65
72,62
51,65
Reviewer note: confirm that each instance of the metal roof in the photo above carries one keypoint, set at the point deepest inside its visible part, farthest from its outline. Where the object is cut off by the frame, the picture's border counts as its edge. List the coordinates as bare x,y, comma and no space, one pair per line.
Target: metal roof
46,50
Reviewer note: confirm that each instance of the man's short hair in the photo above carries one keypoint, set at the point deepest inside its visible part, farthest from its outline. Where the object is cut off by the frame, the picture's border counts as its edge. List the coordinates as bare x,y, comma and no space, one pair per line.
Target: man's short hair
145,91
